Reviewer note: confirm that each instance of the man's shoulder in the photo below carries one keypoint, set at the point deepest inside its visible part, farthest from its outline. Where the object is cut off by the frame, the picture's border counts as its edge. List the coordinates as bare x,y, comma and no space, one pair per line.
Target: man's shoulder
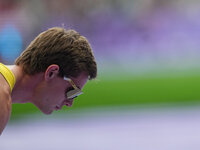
5,94
5,104
4,86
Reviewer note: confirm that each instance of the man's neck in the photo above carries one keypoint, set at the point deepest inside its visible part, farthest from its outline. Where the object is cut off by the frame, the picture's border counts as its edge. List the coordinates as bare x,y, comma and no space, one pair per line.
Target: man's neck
24,86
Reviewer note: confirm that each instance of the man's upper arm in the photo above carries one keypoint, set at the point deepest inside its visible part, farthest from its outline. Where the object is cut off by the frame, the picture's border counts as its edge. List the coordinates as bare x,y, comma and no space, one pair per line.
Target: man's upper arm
5,109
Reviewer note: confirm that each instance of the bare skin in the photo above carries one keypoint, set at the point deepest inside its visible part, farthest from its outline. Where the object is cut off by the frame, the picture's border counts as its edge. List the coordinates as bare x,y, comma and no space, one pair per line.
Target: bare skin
45,90
5,103
18,95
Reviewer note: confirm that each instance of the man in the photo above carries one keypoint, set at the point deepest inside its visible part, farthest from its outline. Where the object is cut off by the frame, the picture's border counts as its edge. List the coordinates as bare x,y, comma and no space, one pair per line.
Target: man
50,73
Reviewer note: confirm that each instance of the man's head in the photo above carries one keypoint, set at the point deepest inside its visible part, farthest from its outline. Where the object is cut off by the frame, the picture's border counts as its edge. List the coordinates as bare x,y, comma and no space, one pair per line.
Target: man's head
58,53
68,49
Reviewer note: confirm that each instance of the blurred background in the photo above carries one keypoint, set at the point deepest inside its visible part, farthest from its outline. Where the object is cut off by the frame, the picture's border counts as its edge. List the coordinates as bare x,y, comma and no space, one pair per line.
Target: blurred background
146,95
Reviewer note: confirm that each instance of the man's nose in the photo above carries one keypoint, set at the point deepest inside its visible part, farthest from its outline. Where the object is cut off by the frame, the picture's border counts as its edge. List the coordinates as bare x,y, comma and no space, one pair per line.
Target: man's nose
69,102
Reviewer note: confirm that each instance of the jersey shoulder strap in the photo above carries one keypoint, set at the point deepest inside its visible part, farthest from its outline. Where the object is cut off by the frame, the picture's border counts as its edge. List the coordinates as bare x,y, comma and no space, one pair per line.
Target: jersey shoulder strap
8,75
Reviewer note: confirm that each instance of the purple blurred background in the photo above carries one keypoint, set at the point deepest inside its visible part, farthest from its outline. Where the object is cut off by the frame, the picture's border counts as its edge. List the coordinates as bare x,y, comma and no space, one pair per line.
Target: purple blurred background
130,35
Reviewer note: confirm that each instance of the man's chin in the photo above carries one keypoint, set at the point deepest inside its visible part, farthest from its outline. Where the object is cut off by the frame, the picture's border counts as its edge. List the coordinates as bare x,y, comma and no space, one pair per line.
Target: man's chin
47,112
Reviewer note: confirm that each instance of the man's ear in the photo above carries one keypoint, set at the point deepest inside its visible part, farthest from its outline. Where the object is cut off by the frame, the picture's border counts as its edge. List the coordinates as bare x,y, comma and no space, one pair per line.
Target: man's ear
51,72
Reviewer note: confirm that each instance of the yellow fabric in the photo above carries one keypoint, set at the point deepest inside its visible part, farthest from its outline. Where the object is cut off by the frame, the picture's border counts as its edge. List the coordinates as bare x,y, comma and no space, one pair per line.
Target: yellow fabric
8,75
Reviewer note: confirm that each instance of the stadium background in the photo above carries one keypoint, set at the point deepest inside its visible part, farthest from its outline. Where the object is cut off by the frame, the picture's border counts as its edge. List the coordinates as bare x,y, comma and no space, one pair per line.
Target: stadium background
147,50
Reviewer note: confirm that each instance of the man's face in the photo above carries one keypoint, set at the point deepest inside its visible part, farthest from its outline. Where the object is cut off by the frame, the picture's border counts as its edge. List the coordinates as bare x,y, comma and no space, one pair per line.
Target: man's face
51,95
